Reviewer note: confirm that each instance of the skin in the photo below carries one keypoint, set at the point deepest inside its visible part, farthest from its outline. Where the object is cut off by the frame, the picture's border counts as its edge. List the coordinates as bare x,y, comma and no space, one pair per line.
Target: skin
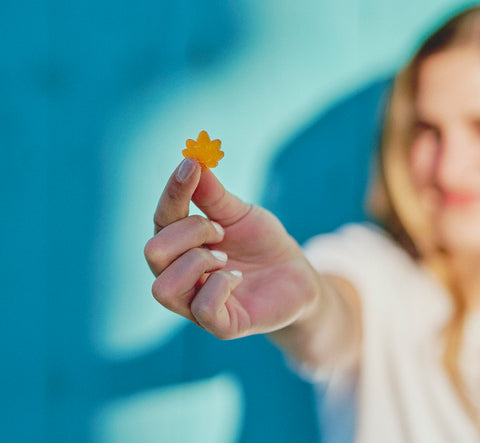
445,156
193,283
278,291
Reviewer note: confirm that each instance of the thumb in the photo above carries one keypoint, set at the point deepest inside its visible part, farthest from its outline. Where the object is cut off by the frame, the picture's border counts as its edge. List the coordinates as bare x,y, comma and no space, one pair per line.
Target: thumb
216,202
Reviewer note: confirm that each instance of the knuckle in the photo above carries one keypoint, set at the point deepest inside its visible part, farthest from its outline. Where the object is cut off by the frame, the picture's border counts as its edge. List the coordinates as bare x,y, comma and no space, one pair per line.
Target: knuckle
162,293
202,312
154,255
173,192
197,218
200,222
149,250
205,315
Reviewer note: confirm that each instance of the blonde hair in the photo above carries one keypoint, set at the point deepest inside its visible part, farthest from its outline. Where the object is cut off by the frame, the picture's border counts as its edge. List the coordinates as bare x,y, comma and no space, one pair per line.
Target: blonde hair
394,201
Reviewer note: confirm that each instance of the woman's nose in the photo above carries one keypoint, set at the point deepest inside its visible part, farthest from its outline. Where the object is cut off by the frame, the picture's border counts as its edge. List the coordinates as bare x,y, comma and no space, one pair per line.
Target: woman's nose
456,158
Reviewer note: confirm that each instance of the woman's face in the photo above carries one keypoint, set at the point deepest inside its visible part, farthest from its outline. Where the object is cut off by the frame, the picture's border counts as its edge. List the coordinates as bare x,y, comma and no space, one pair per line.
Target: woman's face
445,155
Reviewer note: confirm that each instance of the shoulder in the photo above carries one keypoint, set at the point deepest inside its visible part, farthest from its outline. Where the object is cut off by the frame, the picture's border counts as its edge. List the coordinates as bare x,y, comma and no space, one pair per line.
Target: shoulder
362,244
387,280
380,270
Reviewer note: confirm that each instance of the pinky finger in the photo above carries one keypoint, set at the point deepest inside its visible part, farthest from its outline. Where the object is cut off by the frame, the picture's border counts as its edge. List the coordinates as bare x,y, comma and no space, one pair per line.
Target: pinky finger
214,307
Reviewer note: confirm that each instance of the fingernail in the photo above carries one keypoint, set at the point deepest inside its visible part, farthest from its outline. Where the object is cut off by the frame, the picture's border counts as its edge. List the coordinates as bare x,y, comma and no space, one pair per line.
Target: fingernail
218,228
219,255
236,273
185,170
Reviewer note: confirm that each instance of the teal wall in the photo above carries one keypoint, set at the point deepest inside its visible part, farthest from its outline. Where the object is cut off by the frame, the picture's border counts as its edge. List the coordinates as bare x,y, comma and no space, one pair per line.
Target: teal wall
289,61
97,101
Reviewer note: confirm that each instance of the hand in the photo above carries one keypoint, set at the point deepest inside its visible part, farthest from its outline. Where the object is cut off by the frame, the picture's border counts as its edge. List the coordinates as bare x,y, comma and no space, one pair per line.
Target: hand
275,286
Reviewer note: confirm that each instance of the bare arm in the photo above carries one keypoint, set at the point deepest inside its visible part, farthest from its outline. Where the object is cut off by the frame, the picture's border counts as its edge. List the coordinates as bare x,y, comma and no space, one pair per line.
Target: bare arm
332,330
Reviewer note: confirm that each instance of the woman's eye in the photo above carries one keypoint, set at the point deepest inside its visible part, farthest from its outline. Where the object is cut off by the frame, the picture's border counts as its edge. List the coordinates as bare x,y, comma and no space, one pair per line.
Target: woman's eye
476,125
422,127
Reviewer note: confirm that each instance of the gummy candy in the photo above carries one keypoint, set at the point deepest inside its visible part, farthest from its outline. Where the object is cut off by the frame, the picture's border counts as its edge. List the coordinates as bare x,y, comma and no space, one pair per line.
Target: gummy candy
205,151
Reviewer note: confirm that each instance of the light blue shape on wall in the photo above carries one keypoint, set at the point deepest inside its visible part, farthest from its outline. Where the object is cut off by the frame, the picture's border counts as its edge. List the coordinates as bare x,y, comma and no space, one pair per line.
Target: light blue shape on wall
174,414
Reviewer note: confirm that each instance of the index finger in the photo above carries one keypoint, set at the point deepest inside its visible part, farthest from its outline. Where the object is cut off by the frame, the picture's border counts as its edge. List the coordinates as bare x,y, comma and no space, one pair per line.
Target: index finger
175,200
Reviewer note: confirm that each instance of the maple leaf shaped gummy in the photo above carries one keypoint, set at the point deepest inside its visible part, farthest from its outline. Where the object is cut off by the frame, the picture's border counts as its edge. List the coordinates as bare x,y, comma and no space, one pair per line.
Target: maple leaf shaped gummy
205,151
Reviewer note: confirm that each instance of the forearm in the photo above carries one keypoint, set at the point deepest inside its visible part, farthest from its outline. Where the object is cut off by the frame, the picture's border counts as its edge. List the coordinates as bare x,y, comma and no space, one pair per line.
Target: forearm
328,330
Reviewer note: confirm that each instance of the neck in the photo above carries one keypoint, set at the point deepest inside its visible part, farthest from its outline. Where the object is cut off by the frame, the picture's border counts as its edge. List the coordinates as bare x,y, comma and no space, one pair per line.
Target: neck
467,270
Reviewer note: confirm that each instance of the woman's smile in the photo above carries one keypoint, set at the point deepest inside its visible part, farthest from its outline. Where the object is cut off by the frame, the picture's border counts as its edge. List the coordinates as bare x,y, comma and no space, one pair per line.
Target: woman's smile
454,199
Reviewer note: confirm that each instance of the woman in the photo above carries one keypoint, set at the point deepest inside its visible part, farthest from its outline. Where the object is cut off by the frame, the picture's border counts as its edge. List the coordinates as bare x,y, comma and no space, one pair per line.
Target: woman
394,310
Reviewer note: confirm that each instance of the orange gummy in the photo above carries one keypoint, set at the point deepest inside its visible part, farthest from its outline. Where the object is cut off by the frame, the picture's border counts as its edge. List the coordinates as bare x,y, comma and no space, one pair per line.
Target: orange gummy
205,151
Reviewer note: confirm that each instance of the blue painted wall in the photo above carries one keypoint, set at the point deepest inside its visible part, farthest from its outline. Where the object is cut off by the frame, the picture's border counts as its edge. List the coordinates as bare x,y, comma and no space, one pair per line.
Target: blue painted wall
97,99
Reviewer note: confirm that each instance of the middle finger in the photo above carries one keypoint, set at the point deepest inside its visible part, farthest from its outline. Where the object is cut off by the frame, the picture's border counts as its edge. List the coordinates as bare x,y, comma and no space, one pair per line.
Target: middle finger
177,238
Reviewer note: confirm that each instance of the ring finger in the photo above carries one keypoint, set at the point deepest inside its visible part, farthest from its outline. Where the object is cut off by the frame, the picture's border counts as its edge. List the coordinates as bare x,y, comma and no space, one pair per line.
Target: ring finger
176,286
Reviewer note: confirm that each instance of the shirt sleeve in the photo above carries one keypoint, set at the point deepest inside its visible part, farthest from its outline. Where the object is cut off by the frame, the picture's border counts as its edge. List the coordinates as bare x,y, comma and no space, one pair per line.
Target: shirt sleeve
368,258
357,252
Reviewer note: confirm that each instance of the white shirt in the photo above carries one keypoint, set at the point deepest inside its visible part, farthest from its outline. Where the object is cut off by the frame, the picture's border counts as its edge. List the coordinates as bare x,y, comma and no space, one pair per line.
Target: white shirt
403,393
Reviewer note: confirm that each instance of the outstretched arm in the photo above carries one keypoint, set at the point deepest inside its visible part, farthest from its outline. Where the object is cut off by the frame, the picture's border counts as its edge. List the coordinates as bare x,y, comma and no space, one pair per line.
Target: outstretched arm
236,271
